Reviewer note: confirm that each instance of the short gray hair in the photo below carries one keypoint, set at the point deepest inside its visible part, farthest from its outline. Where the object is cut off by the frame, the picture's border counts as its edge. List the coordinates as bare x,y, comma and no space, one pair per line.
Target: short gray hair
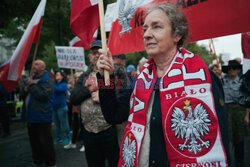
177,19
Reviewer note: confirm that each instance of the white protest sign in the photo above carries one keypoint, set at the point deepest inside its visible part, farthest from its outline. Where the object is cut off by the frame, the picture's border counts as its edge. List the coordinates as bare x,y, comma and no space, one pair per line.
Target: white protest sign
110,16
225,58
70,57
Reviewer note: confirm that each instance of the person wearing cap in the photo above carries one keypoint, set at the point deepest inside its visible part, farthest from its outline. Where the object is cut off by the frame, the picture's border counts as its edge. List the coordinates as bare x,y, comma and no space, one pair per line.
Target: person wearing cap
120,72
236,112
119,59
121,79
131,72
141,63
100,138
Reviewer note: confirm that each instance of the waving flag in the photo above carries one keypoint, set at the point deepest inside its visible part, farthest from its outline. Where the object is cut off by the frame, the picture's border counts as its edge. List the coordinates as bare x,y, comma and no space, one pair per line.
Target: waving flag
84,20
77,42
245,44
10,72
207,19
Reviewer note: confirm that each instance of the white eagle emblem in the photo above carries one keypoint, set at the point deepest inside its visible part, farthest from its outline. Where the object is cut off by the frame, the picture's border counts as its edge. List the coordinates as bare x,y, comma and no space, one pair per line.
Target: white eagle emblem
126,12
129,151
192,127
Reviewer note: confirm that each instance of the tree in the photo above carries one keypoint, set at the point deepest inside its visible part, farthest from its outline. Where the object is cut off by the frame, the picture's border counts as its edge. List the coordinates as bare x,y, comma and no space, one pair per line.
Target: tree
50,56
199,50
56,17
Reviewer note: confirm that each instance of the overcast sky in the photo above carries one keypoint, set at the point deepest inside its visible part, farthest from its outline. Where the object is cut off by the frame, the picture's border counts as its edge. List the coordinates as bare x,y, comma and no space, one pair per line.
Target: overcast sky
228,44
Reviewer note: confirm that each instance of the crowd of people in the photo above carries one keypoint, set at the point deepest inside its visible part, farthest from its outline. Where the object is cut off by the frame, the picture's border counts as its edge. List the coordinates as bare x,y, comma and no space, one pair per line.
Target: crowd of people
172,110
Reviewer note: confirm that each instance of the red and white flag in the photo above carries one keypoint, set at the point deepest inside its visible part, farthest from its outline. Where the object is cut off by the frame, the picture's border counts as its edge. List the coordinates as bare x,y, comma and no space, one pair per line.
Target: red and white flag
84,20
210,47
77,42
207,19
245,44
10,72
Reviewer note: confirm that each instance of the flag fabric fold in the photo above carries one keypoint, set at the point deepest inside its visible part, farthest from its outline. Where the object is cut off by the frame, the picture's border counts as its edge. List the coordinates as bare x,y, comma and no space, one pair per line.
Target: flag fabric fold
84,20
245,44
207,19
77,42
10,72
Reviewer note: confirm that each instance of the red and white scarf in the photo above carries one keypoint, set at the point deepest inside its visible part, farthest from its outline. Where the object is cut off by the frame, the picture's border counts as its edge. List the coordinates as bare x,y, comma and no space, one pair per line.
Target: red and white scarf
190,125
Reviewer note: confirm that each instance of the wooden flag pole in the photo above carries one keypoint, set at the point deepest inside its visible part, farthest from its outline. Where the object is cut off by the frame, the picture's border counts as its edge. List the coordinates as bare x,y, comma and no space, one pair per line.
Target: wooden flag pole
72,75
216,57
34,58
103,36
210,53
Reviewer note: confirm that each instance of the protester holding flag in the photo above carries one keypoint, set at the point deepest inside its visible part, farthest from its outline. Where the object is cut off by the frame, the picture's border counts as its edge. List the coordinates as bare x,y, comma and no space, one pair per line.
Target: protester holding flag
176,115
216,69
100,138
37,111
121,79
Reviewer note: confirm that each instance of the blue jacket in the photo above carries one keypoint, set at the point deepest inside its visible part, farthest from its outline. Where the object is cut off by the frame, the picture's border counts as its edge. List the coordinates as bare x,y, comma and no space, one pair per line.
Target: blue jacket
40,101
59,99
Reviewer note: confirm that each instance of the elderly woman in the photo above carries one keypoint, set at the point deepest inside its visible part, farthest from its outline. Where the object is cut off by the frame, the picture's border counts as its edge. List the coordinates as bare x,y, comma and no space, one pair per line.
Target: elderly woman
175,113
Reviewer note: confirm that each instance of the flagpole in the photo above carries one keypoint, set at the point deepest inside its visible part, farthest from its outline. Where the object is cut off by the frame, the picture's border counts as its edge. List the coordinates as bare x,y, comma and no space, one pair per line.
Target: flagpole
216,57
34,58
103,36
211,52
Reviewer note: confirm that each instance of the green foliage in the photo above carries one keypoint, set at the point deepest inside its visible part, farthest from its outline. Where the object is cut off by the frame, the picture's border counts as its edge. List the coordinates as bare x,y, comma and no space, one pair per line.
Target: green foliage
12,9
55,29
134,58
50,56
199,50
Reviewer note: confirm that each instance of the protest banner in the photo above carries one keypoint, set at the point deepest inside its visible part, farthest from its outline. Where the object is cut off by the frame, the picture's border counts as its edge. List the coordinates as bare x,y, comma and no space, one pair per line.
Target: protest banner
70,57
207,19
109,16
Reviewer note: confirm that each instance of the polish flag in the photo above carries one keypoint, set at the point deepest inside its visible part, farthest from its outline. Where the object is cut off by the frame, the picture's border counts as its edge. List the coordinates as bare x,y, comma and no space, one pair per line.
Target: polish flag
245,44
77,42
207,19
84,20
52,73
210,48
10,72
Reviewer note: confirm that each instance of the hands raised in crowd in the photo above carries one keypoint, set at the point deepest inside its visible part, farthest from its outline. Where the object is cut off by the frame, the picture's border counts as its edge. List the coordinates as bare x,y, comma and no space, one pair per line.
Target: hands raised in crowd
105,62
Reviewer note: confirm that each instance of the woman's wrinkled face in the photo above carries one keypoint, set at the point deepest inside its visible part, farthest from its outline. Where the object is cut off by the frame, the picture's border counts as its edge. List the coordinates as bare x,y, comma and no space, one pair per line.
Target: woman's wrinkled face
158,38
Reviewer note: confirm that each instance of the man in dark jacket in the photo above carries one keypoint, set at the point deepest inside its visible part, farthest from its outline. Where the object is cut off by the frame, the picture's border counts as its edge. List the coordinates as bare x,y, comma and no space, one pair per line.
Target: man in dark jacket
4,111
37,111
